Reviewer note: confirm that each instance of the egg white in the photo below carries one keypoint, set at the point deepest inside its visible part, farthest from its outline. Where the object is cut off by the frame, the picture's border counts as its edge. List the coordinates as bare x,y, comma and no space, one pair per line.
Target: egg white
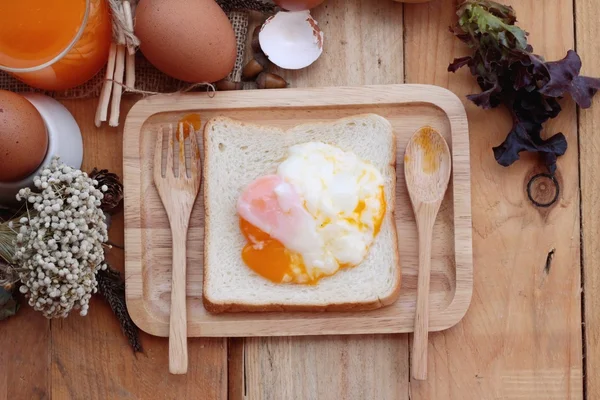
332,184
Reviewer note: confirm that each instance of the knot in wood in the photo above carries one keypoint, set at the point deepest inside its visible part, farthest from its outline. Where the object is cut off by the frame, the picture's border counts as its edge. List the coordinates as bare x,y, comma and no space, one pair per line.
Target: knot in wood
543,190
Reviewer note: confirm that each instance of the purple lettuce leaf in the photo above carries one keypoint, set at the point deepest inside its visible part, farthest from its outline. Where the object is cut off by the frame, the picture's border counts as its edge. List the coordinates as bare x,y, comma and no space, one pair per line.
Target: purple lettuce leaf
526,137
509,73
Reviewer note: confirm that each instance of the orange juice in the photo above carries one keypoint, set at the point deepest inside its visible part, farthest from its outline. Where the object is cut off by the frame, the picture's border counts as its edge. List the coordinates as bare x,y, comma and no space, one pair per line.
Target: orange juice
54,44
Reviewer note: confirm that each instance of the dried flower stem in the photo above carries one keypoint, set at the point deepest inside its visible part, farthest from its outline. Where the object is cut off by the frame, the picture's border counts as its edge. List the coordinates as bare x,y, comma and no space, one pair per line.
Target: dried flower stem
9,275
8,233
112,287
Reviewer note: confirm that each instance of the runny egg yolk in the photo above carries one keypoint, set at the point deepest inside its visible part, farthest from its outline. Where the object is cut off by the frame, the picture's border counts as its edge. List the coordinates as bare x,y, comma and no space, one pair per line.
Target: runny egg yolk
378,219
269,258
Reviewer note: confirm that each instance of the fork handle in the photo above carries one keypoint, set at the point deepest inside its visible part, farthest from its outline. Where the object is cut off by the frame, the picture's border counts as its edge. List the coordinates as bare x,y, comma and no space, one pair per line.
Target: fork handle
178,355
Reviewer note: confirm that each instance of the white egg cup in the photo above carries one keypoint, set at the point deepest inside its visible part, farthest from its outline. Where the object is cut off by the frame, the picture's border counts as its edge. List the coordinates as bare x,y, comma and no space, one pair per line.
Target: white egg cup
64,141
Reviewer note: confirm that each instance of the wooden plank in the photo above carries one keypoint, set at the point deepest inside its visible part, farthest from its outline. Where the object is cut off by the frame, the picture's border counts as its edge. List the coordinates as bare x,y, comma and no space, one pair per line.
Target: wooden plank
521,337
24,355
363,45
316,368
235,369
90,357
587,35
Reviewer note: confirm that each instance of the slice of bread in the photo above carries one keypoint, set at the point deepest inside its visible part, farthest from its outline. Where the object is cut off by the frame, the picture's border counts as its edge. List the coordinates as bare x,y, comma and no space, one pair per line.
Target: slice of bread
236,153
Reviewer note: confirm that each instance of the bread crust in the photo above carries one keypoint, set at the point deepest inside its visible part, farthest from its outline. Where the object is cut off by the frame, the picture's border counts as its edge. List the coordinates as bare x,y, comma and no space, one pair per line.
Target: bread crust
217,307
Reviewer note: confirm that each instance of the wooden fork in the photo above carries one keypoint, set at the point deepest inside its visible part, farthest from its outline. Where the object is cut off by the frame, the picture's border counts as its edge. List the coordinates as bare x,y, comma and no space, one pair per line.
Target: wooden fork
178,193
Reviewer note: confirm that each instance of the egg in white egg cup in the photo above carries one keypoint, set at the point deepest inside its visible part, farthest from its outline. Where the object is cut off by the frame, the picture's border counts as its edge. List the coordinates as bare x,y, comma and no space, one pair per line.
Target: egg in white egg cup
64,141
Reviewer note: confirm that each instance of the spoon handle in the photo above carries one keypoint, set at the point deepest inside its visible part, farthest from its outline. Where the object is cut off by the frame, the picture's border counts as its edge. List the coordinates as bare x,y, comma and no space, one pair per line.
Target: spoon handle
420,338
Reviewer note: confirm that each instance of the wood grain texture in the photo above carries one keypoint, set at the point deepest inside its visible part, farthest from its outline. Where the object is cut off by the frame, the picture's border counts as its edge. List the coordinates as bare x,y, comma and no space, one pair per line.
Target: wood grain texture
588,31
336,367
363,45
90,358
235,369
521,338
25,356
406,107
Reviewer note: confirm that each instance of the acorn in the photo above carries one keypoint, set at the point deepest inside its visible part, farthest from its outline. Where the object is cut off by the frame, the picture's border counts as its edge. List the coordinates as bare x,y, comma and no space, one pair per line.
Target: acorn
226,84
262,59
266,80
252,69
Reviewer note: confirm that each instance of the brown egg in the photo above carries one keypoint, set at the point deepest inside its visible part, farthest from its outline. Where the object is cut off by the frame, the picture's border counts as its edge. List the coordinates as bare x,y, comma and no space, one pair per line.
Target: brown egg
191,40
23,137
298,5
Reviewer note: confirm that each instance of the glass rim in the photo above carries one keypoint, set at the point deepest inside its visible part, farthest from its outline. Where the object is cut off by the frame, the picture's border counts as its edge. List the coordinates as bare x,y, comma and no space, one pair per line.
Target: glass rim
60,55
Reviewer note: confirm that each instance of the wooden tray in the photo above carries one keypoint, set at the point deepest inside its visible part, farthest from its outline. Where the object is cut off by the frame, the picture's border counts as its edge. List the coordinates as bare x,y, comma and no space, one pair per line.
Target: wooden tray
407,107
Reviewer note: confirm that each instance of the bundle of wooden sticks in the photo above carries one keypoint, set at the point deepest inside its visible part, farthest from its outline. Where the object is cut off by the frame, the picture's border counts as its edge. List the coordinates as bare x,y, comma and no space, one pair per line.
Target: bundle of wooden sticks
121,62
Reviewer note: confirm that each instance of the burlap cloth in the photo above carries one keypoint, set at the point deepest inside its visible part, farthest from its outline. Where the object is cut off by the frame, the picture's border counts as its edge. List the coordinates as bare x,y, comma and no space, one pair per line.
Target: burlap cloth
147,78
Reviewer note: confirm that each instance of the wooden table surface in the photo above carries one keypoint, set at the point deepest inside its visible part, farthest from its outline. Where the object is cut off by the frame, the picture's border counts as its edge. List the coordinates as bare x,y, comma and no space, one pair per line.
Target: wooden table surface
533,328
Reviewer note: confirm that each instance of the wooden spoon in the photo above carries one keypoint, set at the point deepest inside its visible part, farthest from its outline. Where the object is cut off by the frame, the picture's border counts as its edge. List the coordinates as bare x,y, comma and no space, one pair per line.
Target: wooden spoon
427,167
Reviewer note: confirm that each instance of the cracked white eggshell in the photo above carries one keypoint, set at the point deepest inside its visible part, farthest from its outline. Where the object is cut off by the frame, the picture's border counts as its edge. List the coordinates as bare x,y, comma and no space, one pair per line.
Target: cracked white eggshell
291,39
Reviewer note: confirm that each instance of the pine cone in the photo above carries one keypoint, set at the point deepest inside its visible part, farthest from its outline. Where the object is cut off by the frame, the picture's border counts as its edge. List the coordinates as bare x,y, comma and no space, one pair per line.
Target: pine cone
114,195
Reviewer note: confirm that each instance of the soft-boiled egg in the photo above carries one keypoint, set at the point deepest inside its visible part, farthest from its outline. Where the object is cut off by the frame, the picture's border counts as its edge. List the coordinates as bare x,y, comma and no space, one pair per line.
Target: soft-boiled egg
319,213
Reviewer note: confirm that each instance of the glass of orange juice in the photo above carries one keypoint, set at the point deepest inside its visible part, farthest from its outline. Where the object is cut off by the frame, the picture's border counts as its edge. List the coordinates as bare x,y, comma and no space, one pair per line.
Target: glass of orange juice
54,44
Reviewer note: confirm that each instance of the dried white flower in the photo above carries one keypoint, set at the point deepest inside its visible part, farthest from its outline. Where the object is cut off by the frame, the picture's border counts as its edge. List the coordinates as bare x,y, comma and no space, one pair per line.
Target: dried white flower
60,246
